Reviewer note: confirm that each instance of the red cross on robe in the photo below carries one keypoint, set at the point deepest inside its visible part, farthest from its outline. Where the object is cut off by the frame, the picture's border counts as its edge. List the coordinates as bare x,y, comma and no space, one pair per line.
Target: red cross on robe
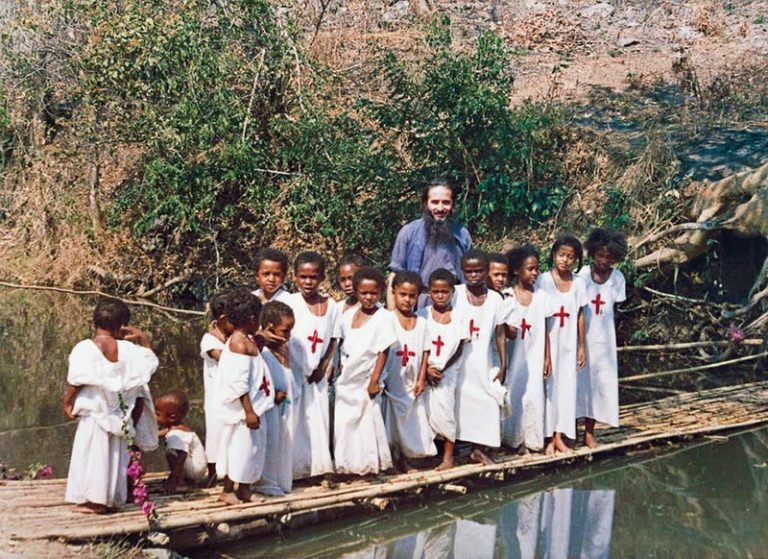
524,327
438,343
265,385
562,315
404,355
597,301
315,340
473,328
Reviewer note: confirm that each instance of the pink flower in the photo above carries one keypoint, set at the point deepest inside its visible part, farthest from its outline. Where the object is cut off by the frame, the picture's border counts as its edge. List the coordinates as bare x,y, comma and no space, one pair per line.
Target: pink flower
136,455
140,493
44,472
134,470
148,508
735,334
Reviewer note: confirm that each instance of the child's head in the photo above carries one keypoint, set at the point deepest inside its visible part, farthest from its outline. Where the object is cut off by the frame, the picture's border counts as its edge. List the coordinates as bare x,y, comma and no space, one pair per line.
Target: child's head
441,283
606,248
406,287
271,267
498,271
308,272
171,408
474,266
566,251
243,310
369,284
217,306
345,269
111,314
437,198
524,265
278,318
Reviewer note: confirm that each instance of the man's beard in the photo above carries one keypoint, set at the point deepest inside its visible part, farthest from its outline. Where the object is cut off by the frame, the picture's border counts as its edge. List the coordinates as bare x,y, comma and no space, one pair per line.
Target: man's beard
438,232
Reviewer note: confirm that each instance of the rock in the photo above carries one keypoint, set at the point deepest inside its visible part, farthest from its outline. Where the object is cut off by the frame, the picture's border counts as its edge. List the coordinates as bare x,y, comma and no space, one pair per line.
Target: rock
535,6
420,8
625,42
396,12
688,33
597,11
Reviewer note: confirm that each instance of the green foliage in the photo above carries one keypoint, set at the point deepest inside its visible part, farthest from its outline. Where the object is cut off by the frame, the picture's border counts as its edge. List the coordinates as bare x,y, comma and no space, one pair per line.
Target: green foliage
6,137
615,215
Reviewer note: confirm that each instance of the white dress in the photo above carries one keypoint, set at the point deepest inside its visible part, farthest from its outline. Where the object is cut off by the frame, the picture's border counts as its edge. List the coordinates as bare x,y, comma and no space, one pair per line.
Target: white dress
278,465
479,398
598,384
556,513
519,526
241,449
280,295
444,341
100,451
195,465
406,418
309,341
560,387
361,445
525,375
213,423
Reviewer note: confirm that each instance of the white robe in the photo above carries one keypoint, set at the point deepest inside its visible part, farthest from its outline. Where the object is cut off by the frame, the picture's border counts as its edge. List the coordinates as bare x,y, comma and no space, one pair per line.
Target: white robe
473,540
598,384
195,464
525,375
556,523
519,526
592,523
560,387
406,419
278,465
361,445
309,341
213,423
444,341
479,398
97,469
280,295
241,449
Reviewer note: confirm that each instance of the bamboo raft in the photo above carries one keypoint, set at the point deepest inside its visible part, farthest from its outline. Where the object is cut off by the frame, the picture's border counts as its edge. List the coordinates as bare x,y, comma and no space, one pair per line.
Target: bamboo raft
33,510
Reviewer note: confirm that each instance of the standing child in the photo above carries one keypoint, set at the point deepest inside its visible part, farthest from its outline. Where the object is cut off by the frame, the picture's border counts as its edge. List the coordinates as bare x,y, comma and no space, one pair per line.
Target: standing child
311,349
598,386
367,333
529,361
271,268
498,272
566,295
245,393
345,271
446,333
277,319
211,346
480,381
108,372
184,453
406,372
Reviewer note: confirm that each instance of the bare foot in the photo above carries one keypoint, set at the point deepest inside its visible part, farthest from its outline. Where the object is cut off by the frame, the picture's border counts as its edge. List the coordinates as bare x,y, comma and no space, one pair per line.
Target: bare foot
91,508
560,446
446,464
522,450
590,440
229,498
480,457
549,450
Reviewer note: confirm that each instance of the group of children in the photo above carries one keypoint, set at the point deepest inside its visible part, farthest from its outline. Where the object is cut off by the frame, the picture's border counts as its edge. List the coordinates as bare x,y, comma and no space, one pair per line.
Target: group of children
299,385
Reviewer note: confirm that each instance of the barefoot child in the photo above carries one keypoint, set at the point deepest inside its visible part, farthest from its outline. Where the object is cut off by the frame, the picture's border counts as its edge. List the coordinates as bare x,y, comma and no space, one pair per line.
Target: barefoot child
271,268
598,385
566,295
361,445
245,393
529,360
480,382
446,334
103,371
405,376
311,349
184,453
498,272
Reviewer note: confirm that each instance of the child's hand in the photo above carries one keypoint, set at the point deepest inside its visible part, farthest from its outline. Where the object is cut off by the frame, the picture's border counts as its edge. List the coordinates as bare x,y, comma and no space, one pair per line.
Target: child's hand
500,377
581,357
418,389
316,376
547,367
434,375
373,389
213,330
271,338
133,334
279,397
252,420
68,407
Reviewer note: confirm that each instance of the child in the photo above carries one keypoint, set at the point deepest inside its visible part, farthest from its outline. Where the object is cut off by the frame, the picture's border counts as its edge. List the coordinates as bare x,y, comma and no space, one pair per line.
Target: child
105,372
211,346
498,272
311,349
345,271
361,445
446,333
529,360
566,295
277,478
480,392
406,373
245,392
271,268
184,453
598,385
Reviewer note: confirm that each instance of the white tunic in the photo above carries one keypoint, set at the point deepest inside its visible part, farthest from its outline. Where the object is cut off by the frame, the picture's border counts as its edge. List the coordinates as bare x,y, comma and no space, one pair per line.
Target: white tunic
195,465
361,445
443,342
525,376
278,465
213,423
592,523
556,513
407,423
560,387
241,449
598,384
100,451
519,526
479,398
280,295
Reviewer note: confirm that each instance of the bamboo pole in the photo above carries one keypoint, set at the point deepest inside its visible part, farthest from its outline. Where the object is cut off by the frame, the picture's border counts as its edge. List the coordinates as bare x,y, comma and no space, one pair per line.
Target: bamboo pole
689,345
717,365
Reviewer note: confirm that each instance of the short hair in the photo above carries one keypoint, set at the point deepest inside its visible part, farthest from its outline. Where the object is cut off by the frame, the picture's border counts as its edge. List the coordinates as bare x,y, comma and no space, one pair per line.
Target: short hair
241,306
568,240
274,312
217,305
445,182
111,314
273,255
497,258
369,273
441,274
179,399
475,254
350,258
310,257
406,277
518,255
613,241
